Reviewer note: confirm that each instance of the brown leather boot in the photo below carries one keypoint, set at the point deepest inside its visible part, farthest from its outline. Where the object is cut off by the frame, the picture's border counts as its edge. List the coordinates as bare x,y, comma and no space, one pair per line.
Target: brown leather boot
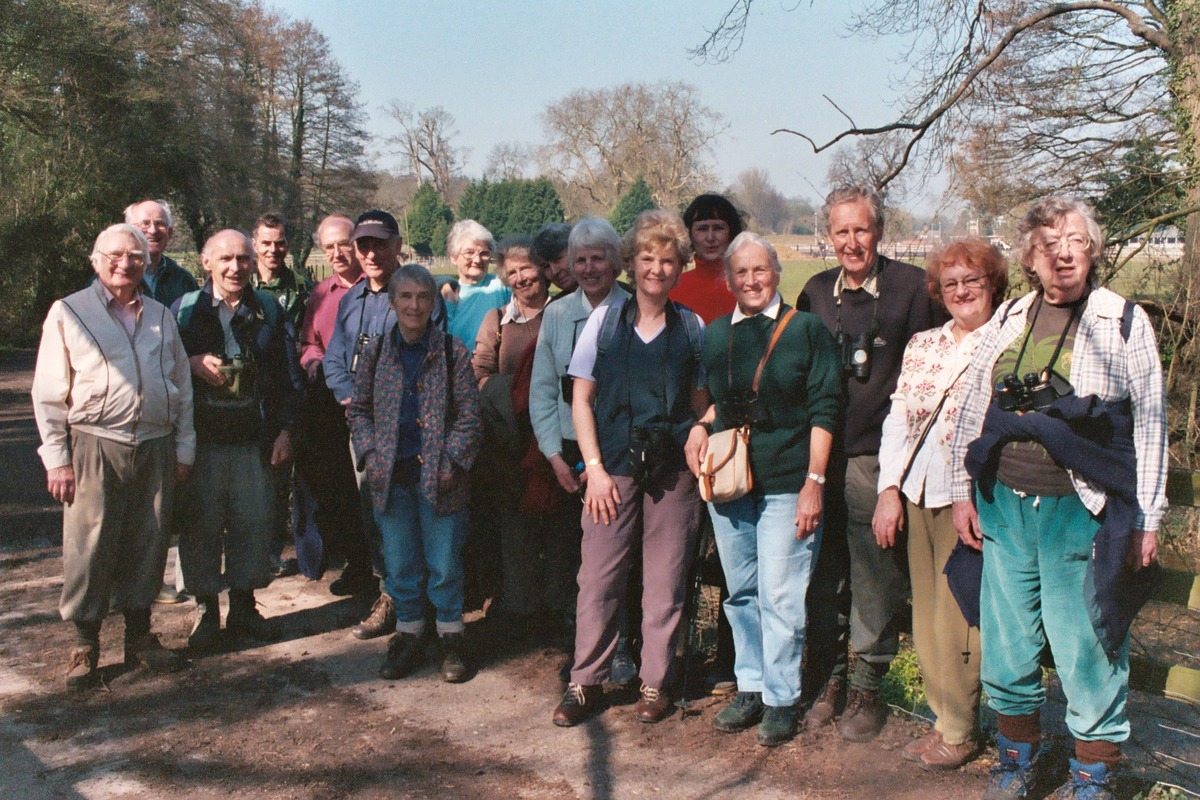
944,756
864,718
380,622
829,703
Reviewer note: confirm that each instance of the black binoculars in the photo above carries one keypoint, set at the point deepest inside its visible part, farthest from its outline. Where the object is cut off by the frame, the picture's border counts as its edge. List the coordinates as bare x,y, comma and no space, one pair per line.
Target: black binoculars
856,353
1034,393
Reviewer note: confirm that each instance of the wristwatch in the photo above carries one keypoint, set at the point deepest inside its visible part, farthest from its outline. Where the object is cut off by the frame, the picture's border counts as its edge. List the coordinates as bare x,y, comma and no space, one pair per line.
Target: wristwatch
820,479
706,425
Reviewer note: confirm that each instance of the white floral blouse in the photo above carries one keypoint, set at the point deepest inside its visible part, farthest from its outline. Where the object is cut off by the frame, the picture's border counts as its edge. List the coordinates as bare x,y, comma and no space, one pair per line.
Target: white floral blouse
932,360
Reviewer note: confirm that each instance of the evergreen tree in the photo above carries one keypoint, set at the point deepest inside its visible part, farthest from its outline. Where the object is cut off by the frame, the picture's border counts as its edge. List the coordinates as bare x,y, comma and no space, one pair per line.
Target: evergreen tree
635,200
428,222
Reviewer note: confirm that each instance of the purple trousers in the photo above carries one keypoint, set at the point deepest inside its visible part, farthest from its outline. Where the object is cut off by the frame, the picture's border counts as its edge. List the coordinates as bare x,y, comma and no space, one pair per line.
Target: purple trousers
660,526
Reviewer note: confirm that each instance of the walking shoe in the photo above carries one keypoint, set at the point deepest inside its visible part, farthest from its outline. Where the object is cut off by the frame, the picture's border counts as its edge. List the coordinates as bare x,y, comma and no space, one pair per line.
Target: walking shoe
284,567
354,580
744,712
82,672
579,703
943,756
778,725
454,663
244,619
169,596
206,631
379,622
828,705
146,650
653,705
623,669
1013,777
919,747
864,718
1087,782
403,656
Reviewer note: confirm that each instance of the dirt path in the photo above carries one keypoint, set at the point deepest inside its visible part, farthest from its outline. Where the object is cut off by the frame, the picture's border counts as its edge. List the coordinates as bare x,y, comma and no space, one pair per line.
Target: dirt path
308,718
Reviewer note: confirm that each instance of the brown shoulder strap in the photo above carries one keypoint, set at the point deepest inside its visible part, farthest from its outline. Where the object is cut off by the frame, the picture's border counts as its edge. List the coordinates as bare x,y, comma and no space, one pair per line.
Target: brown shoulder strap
762,363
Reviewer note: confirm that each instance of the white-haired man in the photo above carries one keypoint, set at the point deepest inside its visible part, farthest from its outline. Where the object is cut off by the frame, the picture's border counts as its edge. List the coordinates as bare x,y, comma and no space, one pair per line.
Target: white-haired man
112,395
164,279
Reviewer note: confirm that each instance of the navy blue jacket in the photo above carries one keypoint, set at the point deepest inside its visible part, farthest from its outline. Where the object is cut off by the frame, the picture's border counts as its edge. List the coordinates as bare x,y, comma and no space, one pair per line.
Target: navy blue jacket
1093,439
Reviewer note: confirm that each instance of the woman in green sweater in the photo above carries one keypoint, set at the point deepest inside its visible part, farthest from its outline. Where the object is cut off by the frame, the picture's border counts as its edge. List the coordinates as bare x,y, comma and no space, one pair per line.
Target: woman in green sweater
768,540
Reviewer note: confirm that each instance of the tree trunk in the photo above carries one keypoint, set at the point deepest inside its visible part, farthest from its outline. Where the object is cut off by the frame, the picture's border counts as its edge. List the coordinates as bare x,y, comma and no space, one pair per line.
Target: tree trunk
1186,89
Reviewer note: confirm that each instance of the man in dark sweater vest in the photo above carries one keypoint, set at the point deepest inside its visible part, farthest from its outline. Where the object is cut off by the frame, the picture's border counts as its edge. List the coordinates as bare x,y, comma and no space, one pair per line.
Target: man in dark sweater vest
873,306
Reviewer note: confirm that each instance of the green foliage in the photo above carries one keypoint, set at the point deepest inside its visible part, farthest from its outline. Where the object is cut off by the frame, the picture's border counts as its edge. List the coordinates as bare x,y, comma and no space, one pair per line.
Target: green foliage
635,200
428,222
1145,186
511,206
903,686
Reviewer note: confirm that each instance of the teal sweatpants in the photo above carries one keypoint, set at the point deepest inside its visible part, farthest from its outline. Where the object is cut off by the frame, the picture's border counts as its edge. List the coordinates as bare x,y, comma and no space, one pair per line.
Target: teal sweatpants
1035,557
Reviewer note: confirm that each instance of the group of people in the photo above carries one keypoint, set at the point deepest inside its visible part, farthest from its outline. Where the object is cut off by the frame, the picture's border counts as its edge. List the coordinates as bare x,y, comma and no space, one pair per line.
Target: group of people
906,428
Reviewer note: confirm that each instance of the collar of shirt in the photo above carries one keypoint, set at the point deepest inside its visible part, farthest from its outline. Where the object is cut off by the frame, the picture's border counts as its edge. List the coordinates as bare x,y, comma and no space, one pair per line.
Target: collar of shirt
870,285
110,300
772,310
512,313
338,280
219,300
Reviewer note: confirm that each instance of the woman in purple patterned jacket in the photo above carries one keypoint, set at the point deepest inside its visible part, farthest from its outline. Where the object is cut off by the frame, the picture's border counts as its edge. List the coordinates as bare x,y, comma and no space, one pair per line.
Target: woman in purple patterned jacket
415,424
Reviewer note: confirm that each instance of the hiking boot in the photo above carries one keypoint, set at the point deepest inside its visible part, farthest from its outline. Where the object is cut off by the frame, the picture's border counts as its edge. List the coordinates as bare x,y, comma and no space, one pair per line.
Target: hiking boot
579,703
82,672
379,622
778,725
454,663
206,631
943,756
147,651
864,718
828,705
244,619
355,580
745,711
404,654
653,705
1013,777
919,747
1087,782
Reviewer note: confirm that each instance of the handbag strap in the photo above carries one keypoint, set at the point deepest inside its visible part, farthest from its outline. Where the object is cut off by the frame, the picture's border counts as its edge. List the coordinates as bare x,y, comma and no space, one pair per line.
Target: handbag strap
912,455
762,362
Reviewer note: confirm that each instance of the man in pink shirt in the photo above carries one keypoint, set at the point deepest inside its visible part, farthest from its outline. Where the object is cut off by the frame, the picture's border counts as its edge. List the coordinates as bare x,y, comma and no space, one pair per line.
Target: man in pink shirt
330,495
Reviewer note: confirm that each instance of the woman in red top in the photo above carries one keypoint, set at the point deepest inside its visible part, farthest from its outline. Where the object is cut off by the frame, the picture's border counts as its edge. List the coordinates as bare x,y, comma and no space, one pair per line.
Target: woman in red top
712,222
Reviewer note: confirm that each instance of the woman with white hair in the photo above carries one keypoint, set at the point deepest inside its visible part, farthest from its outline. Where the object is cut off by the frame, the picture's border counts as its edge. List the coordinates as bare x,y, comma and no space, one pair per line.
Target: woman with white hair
1058,472
475,291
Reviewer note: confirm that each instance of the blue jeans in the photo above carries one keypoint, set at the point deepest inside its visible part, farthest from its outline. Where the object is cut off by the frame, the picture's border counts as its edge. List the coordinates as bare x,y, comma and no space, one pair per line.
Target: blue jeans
422,553
1035,556
768,571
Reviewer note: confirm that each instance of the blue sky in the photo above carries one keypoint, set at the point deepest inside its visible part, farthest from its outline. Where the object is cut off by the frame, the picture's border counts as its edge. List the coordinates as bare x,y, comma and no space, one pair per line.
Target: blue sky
495,65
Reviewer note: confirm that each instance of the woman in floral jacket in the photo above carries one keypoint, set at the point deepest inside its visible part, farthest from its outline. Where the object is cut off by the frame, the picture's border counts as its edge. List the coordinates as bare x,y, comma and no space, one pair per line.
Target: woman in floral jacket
414,421
969,278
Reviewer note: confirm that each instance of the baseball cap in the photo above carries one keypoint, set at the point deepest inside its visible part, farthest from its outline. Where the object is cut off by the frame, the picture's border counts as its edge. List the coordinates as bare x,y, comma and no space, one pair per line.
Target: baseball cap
375,223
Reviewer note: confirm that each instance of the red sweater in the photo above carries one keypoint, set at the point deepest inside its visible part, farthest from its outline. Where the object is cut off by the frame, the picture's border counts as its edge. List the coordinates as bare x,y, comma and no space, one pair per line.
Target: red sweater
704,291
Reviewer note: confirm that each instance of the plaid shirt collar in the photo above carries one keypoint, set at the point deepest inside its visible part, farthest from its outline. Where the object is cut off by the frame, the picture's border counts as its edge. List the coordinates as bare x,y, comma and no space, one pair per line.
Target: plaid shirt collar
870,285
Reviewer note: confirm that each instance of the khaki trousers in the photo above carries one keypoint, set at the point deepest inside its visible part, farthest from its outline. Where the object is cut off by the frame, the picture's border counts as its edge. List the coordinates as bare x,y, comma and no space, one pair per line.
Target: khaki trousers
946,647
114,539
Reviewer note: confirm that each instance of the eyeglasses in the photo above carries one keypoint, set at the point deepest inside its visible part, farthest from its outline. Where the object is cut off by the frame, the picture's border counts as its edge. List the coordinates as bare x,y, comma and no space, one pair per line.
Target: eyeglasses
134,256
1075,243
973,284
470,255
339,247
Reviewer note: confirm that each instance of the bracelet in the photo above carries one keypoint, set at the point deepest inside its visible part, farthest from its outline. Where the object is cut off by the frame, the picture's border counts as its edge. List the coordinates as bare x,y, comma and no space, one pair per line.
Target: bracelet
819,479
708,428
592,462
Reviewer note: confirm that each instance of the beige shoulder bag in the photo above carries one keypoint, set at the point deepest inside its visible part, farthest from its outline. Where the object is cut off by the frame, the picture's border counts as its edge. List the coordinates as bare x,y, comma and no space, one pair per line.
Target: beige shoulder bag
725,474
